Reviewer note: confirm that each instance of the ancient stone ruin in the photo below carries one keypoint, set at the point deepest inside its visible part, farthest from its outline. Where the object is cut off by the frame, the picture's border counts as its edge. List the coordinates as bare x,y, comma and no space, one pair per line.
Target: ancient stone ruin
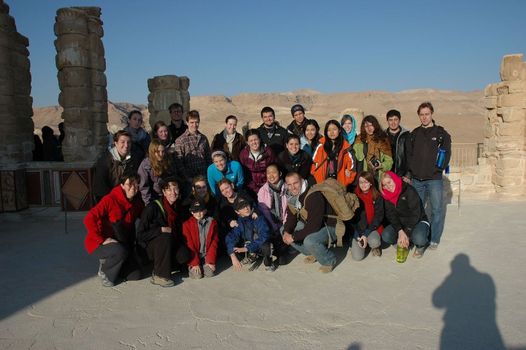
82,81
505,132
16,125
165,90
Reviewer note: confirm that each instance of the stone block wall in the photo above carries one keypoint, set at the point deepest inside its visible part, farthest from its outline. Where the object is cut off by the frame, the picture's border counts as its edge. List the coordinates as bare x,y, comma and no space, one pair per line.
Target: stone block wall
82,82
16,124
505,130
165,90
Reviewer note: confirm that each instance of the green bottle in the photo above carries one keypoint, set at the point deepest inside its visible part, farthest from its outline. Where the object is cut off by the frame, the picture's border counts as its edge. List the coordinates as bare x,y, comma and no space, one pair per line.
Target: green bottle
401,254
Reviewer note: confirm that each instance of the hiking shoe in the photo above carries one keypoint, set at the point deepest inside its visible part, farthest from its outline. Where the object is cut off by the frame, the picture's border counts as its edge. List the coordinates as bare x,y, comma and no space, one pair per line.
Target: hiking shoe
326,268
208,272
249,259
418,253
433,245
310,259
161,281
376,252
195,275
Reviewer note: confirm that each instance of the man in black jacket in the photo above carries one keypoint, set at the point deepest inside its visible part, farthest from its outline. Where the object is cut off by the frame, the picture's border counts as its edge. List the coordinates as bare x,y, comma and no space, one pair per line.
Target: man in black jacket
310,237
399,138
270,132
177,124
428,156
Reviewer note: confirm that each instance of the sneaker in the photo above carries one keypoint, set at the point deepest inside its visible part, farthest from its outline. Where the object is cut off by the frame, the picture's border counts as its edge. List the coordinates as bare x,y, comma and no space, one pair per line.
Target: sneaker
271,268
249,259
105,281
326,268
208,272
195,275
376,252
310,259
433,245
418,253
163,282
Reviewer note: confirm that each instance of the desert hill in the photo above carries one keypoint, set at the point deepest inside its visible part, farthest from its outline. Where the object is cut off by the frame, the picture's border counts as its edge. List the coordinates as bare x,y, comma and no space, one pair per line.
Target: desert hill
462,113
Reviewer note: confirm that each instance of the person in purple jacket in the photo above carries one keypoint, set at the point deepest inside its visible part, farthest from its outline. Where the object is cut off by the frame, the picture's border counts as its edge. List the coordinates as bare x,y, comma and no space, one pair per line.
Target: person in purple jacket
255,158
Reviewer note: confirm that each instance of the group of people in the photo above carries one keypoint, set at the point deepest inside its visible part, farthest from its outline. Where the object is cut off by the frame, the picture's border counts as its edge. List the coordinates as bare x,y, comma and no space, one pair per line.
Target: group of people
179,202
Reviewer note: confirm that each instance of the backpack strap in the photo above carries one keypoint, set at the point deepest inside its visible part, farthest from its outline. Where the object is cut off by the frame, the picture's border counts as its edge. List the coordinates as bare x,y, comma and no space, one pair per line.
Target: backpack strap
160,207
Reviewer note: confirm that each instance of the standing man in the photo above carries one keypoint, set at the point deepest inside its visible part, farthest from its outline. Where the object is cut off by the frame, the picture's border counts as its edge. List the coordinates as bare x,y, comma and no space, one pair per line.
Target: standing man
192,151
177,125
399,139
298,125
310,237
270,132
428,156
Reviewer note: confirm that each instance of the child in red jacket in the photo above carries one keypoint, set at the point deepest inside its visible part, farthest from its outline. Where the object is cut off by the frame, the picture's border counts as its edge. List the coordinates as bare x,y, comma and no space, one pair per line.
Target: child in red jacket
200,233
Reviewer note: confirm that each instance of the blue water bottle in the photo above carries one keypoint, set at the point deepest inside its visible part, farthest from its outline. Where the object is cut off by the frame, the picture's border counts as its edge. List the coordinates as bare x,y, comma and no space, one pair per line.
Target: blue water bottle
441,158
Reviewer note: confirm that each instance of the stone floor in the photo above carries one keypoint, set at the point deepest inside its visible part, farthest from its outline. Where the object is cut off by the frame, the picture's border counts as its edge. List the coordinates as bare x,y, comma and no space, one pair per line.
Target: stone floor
468,294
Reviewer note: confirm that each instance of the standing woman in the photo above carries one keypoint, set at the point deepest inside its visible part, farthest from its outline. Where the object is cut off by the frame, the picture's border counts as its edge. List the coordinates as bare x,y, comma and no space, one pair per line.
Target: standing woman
229,140
294,159
372,148
349,128
255,158
222,167
152,169
367,221
332,157
311,137
162,133
111,231
405,213
140,138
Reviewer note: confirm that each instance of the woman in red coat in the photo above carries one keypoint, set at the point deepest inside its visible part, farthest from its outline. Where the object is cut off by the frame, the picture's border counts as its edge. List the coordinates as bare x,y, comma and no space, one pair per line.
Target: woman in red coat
200,233
111,231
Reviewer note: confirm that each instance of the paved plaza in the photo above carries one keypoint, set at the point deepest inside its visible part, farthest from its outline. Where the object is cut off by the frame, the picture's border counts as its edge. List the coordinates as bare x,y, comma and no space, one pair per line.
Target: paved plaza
468,294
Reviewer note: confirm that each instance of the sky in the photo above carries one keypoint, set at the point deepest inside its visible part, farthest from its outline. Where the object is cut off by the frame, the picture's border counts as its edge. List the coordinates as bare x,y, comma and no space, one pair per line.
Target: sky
242,46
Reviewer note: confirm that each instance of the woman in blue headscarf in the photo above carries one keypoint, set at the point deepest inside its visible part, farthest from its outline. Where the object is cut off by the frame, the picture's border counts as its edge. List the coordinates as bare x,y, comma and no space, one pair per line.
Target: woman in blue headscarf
349,128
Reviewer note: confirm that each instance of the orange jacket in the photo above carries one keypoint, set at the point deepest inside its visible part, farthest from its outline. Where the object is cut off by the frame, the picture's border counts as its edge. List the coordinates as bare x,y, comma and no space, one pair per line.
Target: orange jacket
345,162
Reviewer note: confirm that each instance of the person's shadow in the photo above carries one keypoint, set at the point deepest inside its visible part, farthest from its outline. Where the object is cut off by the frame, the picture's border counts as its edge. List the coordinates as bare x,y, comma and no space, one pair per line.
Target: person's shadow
468,297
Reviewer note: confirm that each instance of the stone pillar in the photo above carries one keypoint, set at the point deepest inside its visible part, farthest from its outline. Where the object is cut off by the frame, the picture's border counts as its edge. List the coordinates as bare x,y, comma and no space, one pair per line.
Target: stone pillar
16,124
505,131
82,82
165,90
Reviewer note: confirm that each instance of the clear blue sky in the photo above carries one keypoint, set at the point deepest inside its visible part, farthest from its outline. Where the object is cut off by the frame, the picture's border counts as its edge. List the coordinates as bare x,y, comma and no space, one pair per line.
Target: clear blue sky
230,47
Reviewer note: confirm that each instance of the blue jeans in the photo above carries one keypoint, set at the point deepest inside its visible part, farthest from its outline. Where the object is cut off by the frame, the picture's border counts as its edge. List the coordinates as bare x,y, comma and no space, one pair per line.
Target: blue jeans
418,236
316,244
432,189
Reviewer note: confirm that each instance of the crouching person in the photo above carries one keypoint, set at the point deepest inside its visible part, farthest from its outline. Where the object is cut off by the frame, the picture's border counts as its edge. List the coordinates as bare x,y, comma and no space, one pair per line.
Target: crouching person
200,233
159,233
249,237
310,237
111,231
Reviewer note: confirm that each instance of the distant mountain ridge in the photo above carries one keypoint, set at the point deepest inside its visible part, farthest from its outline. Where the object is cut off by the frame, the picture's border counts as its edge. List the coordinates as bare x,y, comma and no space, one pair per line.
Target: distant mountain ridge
462,113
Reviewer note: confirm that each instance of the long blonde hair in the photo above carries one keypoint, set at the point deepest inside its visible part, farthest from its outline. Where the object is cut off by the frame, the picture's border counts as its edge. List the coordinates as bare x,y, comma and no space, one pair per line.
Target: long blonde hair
161,167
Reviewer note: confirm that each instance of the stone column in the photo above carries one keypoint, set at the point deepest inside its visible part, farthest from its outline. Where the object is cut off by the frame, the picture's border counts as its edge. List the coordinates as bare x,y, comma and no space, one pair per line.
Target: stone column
505,131
82,82
165,90
16,124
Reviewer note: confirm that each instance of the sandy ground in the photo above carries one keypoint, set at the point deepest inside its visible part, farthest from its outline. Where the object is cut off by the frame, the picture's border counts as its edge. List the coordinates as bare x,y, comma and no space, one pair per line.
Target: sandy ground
51,298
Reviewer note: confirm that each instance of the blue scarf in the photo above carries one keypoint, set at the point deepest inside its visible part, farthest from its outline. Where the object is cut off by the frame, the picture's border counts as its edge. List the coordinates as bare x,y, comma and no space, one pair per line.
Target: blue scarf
352,135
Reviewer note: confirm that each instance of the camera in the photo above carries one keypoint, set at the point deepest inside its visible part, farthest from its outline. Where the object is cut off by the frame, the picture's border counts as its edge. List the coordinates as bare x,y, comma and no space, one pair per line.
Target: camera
375,162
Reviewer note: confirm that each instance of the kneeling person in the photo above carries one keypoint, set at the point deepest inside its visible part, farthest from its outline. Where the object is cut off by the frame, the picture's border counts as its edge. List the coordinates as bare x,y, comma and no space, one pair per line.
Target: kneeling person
159,233
310,237
200,233
250,236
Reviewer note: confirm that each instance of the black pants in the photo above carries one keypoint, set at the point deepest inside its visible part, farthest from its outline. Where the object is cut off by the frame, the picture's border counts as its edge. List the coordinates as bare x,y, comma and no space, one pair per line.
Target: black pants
166,252
117,261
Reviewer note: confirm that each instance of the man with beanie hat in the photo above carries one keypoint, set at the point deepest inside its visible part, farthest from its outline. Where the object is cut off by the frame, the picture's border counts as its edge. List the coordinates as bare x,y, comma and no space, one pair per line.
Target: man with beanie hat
297,126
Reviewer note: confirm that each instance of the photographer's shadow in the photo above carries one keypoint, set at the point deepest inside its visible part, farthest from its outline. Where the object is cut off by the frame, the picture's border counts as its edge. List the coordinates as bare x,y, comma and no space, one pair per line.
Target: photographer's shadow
468,297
